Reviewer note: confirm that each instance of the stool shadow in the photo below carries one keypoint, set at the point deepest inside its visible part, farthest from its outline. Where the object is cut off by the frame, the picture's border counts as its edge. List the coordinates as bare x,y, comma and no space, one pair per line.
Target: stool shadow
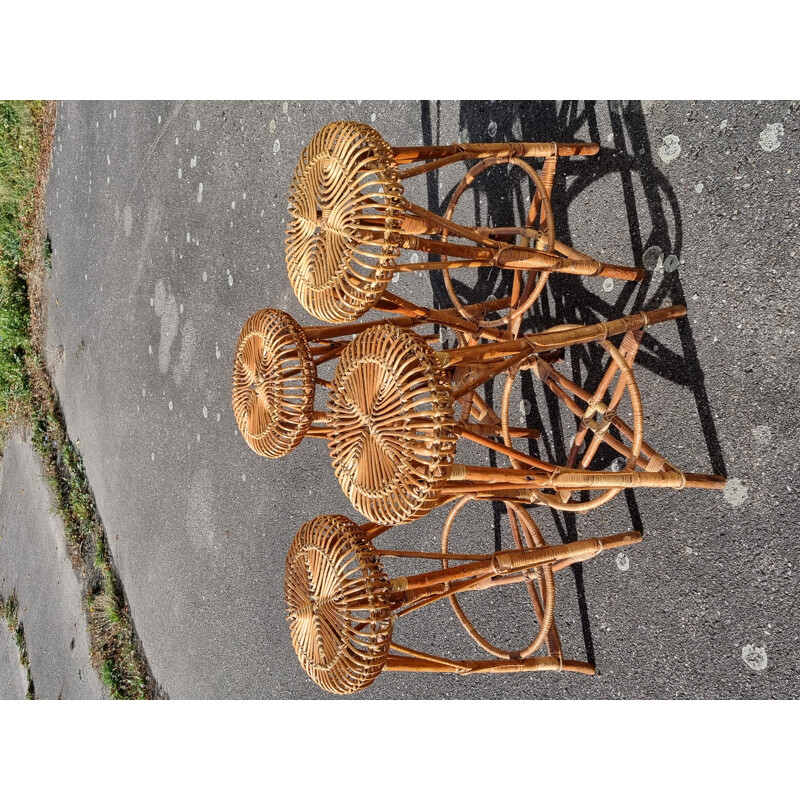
505,194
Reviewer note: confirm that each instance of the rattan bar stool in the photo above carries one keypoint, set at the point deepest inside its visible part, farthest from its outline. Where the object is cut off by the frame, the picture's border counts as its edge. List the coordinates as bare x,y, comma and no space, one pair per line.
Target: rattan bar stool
350,221
275,376
342,607
391,411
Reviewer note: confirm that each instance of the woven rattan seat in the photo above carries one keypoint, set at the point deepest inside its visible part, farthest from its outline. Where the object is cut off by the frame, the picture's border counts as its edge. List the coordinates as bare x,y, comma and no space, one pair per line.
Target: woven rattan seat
338,609
273,383
393,425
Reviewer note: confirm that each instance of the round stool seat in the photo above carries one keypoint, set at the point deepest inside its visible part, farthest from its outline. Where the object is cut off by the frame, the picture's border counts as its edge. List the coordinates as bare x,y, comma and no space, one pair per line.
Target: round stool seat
344,204
273,383
393,425
337,607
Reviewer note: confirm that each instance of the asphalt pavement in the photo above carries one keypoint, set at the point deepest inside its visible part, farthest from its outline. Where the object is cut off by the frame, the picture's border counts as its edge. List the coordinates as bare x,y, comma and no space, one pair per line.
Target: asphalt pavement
167,223
35,564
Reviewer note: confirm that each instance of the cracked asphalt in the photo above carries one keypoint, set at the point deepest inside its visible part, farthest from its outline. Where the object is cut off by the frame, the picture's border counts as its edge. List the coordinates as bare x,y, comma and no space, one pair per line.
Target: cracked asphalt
167,225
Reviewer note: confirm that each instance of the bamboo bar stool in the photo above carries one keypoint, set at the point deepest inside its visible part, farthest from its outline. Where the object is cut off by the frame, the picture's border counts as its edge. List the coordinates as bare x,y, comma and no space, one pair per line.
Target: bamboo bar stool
391,411
350,220
342,606
275,377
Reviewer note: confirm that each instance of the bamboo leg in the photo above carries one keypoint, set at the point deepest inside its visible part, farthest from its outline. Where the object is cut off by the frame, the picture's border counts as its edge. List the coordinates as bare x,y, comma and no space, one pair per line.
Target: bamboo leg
555,339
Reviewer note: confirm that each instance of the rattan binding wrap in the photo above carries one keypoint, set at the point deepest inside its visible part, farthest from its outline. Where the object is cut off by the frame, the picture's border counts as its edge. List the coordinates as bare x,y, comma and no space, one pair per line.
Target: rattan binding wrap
339,617
273,383
393,425
344,204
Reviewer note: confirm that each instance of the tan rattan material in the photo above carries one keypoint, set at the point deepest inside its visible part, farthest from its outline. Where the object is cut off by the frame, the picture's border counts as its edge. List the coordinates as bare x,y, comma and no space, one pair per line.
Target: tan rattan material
391,411
275,372
342,608
344,202
337,605
350,220
273,383
393,426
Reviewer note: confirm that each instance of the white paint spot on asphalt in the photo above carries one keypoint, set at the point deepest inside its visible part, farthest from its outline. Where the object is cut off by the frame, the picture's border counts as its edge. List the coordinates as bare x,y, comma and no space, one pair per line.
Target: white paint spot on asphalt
373,117
671,263
170,405
176,140
230,280
492,128
414,258
216,349
623,562
770,137
396,277
150,349
193,162
86,276
188,237
285,107
115,113
144,392
735,492
152,456
198,437
671,148
205,413
108,159
180,173
159,119
205,276
618,464
218,416
723,125
762,434
197,125
754,657
127,215
608,285
200,193
233,204
276,147
653,258
698,187
108,181
272,126
524,408
181,308
244,478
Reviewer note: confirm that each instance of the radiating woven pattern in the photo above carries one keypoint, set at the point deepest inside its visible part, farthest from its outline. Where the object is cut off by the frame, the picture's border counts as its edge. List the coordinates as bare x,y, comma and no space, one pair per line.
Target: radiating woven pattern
273,383
344,204
336,603
393,425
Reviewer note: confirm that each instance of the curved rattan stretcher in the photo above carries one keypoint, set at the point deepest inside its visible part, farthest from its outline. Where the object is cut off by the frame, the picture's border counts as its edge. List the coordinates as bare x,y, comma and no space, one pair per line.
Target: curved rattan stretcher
350,220
391,410
342,607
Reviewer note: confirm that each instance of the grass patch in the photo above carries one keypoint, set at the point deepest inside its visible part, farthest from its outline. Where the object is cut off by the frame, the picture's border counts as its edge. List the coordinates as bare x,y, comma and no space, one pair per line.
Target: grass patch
27,396
9,613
